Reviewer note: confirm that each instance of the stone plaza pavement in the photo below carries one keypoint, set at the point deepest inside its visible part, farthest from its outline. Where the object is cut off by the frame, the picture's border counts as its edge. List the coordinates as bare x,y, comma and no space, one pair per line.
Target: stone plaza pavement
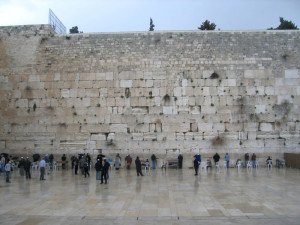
171,196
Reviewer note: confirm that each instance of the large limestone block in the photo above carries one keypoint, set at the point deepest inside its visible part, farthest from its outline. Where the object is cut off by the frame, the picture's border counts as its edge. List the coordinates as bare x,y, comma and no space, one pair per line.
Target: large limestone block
169,110
109,76
291,73
126,83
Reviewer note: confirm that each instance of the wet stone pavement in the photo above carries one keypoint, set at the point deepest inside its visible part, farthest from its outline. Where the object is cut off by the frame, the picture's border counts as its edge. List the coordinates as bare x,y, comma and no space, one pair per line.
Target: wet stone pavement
171,196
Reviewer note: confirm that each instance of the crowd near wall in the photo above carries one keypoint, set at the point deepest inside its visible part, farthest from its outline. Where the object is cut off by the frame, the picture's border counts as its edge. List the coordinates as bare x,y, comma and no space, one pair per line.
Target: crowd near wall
141,93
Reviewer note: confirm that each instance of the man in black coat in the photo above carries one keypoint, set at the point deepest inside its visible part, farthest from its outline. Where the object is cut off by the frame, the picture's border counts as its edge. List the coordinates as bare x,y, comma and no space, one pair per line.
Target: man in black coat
105,168
196,165
180,158
216,158
98,167
27,166
138,166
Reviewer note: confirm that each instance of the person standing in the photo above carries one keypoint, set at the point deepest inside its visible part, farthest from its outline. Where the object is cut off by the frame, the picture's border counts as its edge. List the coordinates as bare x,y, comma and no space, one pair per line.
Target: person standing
253,158
42,169
2,162
21,166
153,159
63,159
138,166
128,160
73,157
180,158
117,162
76,162
7,170
27,166
105,168
196,165
51,158
81,165
86,168
88,159
98,167
246,159
227,159
216,158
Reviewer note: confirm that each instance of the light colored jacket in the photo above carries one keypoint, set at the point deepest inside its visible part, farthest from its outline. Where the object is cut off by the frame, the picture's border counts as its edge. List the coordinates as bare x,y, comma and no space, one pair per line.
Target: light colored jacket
7,167
117,162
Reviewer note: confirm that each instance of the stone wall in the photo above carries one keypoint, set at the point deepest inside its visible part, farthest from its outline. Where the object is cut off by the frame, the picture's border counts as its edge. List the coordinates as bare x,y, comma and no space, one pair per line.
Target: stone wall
149,92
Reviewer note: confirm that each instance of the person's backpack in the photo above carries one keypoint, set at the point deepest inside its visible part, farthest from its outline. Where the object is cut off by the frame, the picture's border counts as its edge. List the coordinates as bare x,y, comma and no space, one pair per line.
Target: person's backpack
85,165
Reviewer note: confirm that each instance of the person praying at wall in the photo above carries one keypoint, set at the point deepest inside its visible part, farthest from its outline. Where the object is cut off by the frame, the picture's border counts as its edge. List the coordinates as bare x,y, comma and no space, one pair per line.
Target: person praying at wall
128,161
196,165
153,158
27,166
138,166
180,158
63,159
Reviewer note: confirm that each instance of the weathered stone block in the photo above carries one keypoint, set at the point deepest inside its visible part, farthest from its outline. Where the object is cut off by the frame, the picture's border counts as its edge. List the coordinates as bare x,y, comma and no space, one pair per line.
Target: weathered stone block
291,73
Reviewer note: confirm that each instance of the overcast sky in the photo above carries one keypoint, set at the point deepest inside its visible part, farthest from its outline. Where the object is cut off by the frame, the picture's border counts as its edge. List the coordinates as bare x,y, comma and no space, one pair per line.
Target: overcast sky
134,15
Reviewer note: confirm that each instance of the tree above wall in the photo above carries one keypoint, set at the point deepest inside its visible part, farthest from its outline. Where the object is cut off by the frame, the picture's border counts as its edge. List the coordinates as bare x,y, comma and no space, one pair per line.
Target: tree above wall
285,25
74,30
151,25
207,25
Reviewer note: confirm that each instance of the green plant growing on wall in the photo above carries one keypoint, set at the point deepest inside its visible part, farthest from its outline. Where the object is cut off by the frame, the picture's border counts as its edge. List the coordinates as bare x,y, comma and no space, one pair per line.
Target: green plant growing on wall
166,98
214,75
28,88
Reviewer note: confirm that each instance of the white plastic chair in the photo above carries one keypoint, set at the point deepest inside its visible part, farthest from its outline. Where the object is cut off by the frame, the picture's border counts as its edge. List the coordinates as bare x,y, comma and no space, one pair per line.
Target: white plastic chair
249,166
218,167
239,165
203,165
35,165
225,165
269,164
147,167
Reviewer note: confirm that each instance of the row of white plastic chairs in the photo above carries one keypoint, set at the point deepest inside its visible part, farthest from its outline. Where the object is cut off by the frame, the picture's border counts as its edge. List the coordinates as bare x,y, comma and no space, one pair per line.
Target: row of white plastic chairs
204,165
36,165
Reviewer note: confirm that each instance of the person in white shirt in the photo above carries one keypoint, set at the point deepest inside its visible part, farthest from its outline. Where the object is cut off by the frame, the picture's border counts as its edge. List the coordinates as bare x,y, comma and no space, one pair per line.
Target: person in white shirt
42,169
7,170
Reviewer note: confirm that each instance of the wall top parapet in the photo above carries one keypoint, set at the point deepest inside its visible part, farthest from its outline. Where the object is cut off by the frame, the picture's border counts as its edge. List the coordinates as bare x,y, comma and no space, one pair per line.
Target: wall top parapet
47,29
41,29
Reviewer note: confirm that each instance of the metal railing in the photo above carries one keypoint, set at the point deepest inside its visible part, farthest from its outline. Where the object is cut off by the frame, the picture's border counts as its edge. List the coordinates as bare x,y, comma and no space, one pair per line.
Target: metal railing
56,24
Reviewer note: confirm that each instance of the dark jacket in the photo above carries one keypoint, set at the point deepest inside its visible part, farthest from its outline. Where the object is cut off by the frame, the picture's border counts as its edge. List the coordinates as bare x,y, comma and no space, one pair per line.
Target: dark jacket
138,164
196,163
105,167
98,166
27,164
216,157
153,157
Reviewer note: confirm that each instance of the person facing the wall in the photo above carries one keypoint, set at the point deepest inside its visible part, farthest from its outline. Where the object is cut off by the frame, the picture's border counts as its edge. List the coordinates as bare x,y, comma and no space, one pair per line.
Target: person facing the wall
180,158
138,166
196,165
227,159
153,159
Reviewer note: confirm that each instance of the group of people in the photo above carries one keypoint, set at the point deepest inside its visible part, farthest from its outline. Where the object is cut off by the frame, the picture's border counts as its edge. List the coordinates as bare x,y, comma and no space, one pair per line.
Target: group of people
217,157
102,165
7,165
